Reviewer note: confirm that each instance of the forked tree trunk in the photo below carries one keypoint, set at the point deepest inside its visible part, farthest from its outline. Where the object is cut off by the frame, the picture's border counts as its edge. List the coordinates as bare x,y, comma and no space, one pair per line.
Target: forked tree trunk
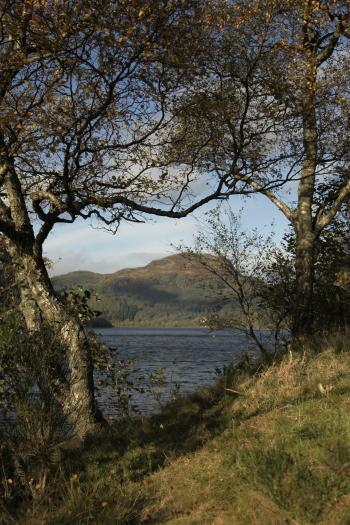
39,304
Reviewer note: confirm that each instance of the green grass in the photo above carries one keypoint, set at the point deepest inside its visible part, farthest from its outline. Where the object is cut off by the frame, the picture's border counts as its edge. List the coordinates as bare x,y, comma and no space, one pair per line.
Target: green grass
276,452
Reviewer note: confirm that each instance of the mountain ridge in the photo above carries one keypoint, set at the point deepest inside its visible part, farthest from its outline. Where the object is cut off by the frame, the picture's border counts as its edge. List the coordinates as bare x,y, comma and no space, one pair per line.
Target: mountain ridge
171,291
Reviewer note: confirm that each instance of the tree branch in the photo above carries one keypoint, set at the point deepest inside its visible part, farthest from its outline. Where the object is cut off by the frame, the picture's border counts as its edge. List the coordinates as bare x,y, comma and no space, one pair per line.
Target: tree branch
333,41
282,206
325,218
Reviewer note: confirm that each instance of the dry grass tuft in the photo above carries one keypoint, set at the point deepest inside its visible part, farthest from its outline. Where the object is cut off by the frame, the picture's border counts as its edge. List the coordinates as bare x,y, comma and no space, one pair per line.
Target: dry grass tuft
277,453
297,377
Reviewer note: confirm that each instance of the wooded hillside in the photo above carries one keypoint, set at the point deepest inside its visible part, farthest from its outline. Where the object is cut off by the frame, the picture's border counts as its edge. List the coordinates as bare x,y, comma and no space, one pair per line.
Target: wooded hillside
167,292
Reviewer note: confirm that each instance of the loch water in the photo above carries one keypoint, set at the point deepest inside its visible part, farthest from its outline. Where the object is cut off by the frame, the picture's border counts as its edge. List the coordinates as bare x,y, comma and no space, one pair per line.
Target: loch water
185,359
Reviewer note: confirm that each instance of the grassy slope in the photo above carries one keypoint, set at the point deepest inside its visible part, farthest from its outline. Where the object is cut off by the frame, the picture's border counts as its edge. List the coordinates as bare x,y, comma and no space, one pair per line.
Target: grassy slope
277,452
166,292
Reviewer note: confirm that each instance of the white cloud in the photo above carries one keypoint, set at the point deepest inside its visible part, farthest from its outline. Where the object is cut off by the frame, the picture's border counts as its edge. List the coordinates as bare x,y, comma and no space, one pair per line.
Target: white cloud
79,247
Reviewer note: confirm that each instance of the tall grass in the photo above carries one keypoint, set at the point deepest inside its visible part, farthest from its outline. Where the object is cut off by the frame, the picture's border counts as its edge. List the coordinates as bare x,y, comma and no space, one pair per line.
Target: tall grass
269,445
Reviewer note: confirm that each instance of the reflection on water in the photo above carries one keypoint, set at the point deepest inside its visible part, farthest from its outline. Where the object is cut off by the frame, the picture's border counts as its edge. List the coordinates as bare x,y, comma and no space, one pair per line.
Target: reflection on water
195,351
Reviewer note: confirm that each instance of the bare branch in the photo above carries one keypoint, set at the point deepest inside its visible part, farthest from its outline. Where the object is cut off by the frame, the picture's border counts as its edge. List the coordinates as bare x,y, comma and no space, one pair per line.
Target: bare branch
325,218
282,206
328,51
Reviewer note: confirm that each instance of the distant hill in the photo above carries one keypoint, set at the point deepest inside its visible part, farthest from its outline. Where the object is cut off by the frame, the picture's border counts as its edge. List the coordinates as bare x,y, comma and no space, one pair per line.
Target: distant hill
167,292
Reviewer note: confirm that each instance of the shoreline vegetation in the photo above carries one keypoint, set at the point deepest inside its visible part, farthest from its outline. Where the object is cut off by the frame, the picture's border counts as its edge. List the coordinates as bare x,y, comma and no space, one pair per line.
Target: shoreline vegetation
95,323
229,454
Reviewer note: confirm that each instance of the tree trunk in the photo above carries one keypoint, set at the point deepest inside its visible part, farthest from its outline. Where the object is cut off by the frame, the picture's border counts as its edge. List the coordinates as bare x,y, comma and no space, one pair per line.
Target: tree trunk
303,225
39,304
304,269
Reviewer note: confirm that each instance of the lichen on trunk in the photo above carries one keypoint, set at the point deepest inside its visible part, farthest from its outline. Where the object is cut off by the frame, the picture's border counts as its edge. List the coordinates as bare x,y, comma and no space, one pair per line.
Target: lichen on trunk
40,304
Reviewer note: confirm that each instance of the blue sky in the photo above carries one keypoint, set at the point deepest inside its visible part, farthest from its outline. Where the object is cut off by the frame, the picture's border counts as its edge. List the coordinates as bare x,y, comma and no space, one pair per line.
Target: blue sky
79,247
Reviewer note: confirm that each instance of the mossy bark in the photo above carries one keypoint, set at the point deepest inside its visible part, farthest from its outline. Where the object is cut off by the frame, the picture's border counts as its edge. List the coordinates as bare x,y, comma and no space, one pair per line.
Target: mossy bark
40,304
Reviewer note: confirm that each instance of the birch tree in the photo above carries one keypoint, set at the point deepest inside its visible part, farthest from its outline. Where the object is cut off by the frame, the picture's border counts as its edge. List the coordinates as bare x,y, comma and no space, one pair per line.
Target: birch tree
90,92
271,114
85,90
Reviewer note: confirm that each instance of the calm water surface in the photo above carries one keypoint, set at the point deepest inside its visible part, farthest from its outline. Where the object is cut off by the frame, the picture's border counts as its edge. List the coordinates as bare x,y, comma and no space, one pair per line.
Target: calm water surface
188,356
